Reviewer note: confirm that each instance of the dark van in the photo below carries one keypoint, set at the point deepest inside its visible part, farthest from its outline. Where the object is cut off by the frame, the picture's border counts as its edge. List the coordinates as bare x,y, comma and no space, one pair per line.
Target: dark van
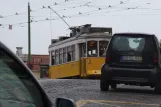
132,59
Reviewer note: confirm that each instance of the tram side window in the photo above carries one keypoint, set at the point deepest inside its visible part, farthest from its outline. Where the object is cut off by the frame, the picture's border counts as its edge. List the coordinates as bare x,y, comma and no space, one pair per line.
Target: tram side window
64,55
73,52
57,57
69,54
92,48
53,57
60,56
102,48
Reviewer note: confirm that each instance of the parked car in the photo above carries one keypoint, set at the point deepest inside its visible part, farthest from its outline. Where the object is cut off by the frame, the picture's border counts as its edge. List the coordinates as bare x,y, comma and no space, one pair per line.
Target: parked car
132,59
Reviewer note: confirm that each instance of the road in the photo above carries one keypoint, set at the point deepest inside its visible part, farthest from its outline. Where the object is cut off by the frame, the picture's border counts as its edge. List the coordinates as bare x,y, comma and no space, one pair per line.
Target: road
86,93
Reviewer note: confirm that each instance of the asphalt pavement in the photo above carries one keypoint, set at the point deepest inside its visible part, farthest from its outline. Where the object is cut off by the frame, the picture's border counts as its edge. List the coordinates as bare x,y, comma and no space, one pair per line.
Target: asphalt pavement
86,93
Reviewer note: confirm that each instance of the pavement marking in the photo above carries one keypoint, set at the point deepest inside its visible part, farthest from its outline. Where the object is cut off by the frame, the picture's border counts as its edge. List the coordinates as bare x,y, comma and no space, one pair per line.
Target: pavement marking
124,102
81,103
106,104
137,95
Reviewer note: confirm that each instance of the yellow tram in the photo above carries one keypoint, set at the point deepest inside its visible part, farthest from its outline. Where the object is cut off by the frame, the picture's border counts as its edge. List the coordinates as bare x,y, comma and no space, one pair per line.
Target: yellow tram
81,55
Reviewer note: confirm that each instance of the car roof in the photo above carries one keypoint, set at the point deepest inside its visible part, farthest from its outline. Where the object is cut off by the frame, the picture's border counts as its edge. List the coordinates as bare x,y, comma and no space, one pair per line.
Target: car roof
134,33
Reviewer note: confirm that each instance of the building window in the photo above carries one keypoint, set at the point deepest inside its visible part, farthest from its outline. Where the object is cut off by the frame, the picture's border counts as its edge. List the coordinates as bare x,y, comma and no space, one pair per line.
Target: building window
38,60
73,52
60,56
57,56
64,55
102,48
69,54
92,48
53,57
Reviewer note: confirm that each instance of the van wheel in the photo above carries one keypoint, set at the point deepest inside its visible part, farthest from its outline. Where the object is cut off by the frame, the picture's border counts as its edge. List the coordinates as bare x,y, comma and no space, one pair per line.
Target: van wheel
104,85
158,88
113,86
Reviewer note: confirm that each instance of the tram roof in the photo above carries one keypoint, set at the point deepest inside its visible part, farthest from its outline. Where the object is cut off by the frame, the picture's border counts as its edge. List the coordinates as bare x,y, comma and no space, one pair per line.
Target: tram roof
83,36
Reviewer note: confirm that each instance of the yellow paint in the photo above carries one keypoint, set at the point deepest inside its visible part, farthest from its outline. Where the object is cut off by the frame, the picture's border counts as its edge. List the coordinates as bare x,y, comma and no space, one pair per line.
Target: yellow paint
123,102
83,68
107,104
94,72
81,103
93,65
65,70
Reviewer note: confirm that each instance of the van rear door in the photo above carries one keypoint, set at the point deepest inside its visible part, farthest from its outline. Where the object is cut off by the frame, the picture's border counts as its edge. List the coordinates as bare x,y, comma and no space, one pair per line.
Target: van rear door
132,50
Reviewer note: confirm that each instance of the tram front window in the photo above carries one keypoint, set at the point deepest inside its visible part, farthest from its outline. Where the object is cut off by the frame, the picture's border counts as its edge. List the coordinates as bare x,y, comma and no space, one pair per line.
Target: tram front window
102,48
92,48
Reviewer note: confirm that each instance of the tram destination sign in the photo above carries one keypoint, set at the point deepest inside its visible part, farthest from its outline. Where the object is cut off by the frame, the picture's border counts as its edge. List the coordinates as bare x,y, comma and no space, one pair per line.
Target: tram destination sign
99,29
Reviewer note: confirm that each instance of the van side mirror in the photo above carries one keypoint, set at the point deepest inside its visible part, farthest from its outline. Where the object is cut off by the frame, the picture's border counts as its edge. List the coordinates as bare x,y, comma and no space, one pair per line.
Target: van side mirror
64,102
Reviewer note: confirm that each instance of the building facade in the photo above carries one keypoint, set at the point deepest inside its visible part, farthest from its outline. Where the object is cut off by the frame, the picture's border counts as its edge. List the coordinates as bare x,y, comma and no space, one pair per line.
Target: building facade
36,61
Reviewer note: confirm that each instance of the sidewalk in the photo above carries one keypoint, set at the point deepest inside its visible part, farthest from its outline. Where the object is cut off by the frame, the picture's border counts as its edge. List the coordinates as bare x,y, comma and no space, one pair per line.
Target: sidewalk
37,74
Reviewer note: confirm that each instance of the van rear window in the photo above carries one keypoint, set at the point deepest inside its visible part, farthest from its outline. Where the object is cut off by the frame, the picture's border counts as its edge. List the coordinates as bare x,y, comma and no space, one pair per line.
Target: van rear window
133,43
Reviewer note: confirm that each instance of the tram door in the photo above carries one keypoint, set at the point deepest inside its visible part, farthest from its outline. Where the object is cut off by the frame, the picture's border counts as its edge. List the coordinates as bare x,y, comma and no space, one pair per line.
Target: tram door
82,59
95,57
92,61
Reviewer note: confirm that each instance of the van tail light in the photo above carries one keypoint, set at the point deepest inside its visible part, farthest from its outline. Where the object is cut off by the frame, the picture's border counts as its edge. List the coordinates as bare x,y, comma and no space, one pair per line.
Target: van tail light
108,58
155,58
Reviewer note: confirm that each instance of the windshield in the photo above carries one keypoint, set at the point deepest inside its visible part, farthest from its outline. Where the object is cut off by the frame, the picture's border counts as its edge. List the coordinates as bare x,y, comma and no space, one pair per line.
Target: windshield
16,87
133,43
92,48
68,44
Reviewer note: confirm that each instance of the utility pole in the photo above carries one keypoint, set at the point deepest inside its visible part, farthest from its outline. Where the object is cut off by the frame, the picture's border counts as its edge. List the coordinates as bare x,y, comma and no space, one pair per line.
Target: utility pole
29,38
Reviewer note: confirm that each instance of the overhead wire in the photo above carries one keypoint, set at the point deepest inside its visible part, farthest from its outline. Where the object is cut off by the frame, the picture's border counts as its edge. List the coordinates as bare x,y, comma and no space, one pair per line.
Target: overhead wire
34,10
101,7
80,14
128,1
50,26
111,6
43,7
47,19
71,7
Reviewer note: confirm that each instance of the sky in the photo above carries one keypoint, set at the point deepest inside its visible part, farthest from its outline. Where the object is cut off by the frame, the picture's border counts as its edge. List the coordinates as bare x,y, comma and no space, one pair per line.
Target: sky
122,15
